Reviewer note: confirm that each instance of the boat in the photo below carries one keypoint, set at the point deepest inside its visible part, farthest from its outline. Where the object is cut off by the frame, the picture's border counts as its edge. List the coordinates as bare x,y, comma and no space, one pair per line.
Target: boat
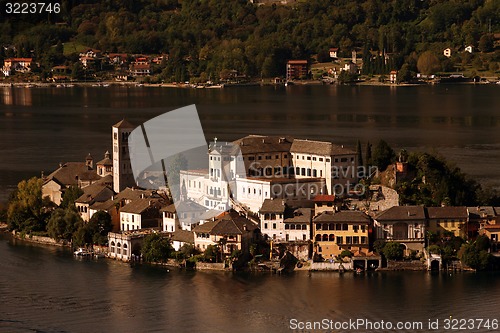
81,252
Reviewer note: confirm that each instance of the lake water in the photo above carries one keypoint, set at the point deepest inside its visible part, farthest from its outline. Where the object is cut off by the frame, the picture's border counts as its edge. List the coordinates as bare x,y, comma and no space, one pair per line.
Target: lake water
45,289
40,127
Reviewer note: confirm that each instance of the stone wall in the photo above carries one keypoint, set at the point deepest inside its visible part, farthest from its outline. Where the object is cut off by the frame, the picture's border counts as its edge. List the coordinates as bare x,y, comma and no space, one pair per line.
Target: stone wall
210,266
413,265
330,266
41,239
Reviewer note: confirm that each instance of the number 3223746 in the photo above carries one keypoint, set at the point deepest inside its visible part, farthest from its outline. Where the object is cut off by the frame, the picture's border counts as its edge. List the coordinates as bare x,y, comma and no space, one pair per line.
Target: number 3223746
32,8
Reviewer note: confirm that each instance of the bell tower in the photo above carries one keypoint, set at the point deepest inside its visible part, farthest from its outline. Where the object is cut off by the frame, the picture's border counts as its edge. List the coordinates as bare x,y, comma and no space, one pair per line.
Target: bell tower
122,169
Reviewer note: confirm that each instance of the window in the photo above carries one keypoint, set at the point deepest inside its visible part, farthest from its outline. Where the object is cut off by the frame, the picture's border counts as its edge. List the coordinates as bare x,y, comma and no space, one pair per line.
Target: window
340,239
328,160
277,157
318,226
315,173
348,240
343,159
308,172
364,240
260,157
287,226
345,226
355,240
268,157
251,158
314,158
320,159
308,158
355,228
265,225
274,225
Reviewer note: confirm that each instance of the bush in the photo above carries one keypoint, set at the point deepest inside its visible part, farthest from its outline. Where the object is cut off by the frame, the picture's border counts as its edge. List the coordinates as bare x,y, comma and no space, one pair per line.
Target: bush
393,251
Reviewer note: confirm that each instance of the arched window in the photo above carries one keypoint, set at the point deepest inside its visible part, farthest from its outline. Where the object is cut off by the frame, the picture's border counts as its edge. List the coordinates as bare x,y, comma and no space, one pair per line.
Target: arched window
331,226
325,226
287,226
125,249
318,238
118,248
304,227
331,238
325,238
292,226
112,247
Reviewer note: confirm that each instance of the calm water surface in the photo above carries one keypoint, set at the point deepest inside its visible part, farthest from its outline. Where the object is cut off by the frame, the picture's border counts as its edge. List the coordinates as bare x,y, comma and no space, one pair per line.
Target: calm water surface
40,127
46,290
43,289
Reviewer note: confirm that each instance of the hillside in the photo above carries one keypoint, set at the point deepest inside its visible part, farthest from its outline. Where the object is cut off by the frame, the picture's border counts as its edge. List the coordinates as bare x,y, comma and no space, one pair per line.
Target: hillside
204,37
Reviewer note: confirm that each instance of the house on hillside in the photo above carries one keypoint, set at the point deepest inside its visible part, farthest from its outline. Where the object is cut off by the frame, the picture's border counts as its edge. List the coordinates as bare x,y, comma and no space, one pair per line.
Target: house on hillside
13,65
334,52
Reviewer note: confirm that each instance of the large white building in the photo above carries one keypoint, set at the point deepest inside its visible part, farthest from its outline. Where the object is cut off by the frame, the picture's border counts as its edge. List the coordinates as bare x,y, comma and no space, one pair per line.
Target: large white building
255,168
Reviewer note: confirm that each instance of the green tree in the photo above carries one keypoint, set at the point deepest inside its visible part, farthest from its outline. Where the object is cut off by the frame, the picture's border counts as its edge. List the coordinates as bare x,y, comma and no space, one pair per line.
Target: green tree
63,223
473,256
383,155
77,71
156,248
405,74
211,253
27,211
486,43
428,63
359,153
99,226
70,196
393,251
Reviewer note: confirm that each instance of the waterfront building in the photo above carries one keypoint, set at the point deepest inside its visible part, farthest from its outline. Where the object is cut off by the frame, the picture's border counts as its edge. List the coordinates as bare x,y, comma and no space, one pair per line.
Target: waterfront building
451,220
190,215
140,213
403,224
479,217
283,222
255,168
272,215
122,170
127,245
12,65
97,192
296,69
80,174
230,231
334,232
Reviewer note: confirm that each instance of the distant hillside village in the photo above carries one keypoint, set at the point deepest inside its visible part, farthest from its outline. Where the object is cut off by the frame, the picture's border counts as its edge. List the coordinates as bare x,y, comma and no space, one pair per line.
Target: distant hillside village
286,196
95,65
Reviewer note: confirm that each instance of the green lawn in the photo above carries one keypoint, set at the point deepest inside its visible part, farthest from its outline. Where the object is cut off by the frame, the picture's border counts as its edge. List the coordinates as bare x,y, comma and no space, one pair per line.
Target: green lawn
73,47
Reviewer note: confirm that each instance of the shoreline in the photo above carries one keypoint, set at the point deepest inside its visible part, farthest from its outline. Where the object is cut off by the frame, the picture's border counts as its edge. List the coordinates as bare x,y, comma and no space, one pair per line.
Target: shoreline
172,263
128,84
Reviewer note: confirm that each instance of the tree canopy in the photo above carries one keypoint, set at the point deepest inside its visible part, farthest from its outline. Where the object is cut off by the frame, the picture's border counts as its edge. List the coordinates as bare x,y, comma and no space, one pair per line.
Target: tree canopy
204,37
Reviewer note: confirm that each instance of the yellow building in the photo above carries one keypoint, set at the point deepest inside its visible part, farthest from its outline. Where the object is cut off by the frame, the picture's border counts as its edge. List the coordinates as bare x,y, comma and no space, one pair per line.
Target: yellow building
443,220
344,230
